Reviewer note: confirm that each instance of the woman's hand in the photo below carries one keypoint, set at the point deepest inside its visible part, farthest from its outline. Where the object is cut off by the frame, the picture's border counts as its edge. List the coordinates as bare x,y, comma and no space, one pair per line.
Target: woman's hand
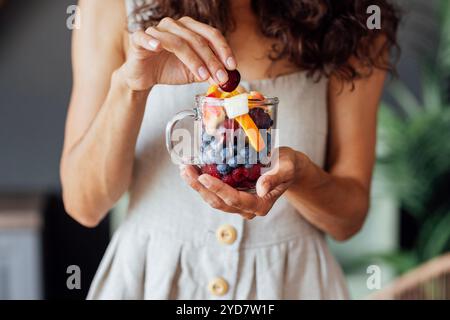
270,186
177,52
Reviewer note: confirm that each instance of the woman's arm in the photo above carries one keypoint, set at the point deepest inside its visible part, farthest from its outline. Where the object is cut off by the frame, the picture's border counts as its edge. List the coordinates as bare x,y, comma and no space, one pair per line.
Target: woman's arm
337,200
109,94
103,119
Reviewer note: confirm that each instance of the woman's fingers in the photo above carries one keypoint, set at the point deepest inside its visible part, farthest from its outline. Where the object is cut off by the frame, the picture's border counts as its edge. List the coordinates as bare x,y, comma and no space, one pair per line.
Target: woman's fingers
190,175
182,50
200,45
278,178
141,40
215,38
201,48
246,203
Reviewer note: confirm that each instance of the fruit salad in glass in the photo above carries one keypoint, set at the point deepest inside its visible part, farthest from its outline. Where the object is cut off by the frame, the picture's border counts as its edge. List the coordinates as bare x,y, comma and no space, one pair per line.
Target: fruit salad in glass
235,137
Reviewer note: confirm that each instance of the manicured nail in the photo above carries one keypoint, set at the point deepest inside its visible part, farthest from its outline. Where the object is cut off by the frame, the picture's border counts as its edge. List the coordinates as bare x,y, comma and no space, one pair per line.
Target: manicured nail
265,188
231,63
205,180
153,44
222,76
203,73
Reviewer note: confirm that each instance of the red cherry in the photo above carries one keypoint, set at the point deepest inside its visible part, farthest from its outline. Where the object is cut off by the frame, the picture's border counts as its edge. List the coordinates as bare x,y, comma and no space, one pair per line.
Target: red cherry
228,179
234,77
211,169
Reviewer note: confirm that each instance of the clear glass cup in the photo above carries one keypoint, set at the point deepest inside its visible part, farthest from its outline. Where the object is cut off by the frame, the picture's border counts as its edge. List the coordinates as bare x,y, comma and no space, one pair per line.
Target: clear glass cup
233,150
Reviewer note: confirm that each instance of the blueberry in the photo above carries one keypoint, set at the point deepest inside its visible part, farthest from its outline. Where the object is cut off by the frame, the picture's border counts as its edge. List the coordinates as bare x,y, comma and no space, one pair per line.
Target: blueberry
207,139
223,169
224,153
208,157
206,136
233,163
217,146
244,152
240,159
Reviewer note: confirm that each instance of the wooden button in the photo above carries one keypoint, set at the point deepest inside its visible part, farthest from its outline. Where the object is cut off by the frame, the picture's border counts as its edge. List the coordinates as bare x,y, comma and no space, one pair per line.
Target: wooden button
226,234
218,286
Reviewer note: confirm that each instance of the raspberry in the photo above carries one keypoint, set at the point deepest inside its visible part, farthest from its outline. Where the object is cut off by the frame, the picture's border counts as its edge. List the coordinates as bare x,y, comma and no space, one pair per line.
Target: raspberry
261,118
211,169
228,179
254,172
240,174
234,77
246,184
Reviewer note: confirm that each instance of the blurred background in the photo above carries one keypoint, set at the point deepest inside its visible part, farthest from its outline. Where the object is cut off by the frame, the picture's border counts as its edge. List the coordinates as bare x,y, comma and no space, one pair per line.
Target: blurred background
409,221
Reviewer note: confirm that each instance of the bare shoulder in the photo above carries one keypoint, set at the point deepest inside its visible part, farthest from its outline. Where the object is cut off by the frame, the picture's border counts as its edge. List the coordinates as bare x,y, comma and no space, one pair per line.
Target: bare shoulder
99,41
102,22
97,50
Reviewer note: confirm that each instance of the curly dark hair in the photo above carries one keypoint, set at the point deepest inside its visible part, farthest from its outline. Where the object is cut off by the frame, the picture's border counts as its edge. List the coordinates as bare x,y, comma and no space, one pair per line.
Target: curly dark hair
318,36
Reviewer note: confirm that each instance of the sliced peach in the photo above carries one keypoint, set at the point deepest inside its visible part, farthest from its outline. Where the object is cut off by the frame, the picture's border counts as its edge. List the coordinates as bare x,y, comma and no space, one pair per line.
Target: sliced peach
212,117
255,95
214,92
252,132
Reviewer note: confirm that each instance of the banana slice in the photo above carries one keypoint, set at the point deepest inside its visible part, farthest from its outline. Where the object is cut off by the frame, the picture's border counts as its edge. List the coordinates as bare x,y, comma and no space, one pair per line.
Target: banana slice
236,106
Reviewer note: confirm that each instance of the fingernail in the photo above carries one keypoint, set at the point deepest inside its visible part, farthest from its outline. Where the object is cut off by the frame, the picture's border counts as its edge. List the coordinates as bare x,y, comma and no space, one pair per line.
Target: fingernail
222,76
265,187
153,43
231,63
204,180
203,73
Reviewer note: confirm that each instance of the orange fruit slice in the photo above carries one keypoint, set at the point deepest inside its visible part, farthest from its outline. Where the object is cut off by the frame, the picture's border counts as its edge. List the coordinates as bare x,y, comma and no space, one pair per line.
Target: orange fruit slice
252,132
213,92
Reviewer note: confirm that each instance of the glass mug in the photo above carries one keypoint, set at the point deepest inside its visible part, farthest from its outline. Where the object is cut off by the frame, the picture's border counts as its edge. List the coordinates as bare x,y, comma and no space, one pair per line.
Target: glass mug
235,150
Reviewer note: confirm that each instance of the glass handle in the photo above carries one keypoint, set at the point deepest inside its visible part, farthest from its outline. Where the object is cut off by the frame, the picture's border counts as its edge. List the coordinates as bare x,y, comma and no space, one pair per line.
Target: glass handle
171,127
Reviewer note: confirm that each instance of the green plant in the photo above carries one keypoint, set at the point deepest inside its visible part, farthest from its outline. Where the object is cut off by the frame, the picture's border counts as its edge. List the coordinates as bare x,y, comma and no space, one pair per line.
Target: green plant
415,136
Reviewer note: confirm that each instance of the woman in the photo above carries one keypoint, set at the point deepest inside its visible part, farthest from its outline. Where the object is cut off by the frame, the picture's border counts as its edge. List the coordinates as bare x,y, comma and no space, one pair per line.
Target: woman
327,69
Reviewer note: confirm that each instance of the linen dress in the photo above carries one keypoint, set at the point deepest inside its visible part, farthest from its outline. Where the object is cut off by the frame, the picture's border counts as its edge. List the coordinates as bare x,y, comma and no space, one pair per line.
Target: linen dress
172,245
